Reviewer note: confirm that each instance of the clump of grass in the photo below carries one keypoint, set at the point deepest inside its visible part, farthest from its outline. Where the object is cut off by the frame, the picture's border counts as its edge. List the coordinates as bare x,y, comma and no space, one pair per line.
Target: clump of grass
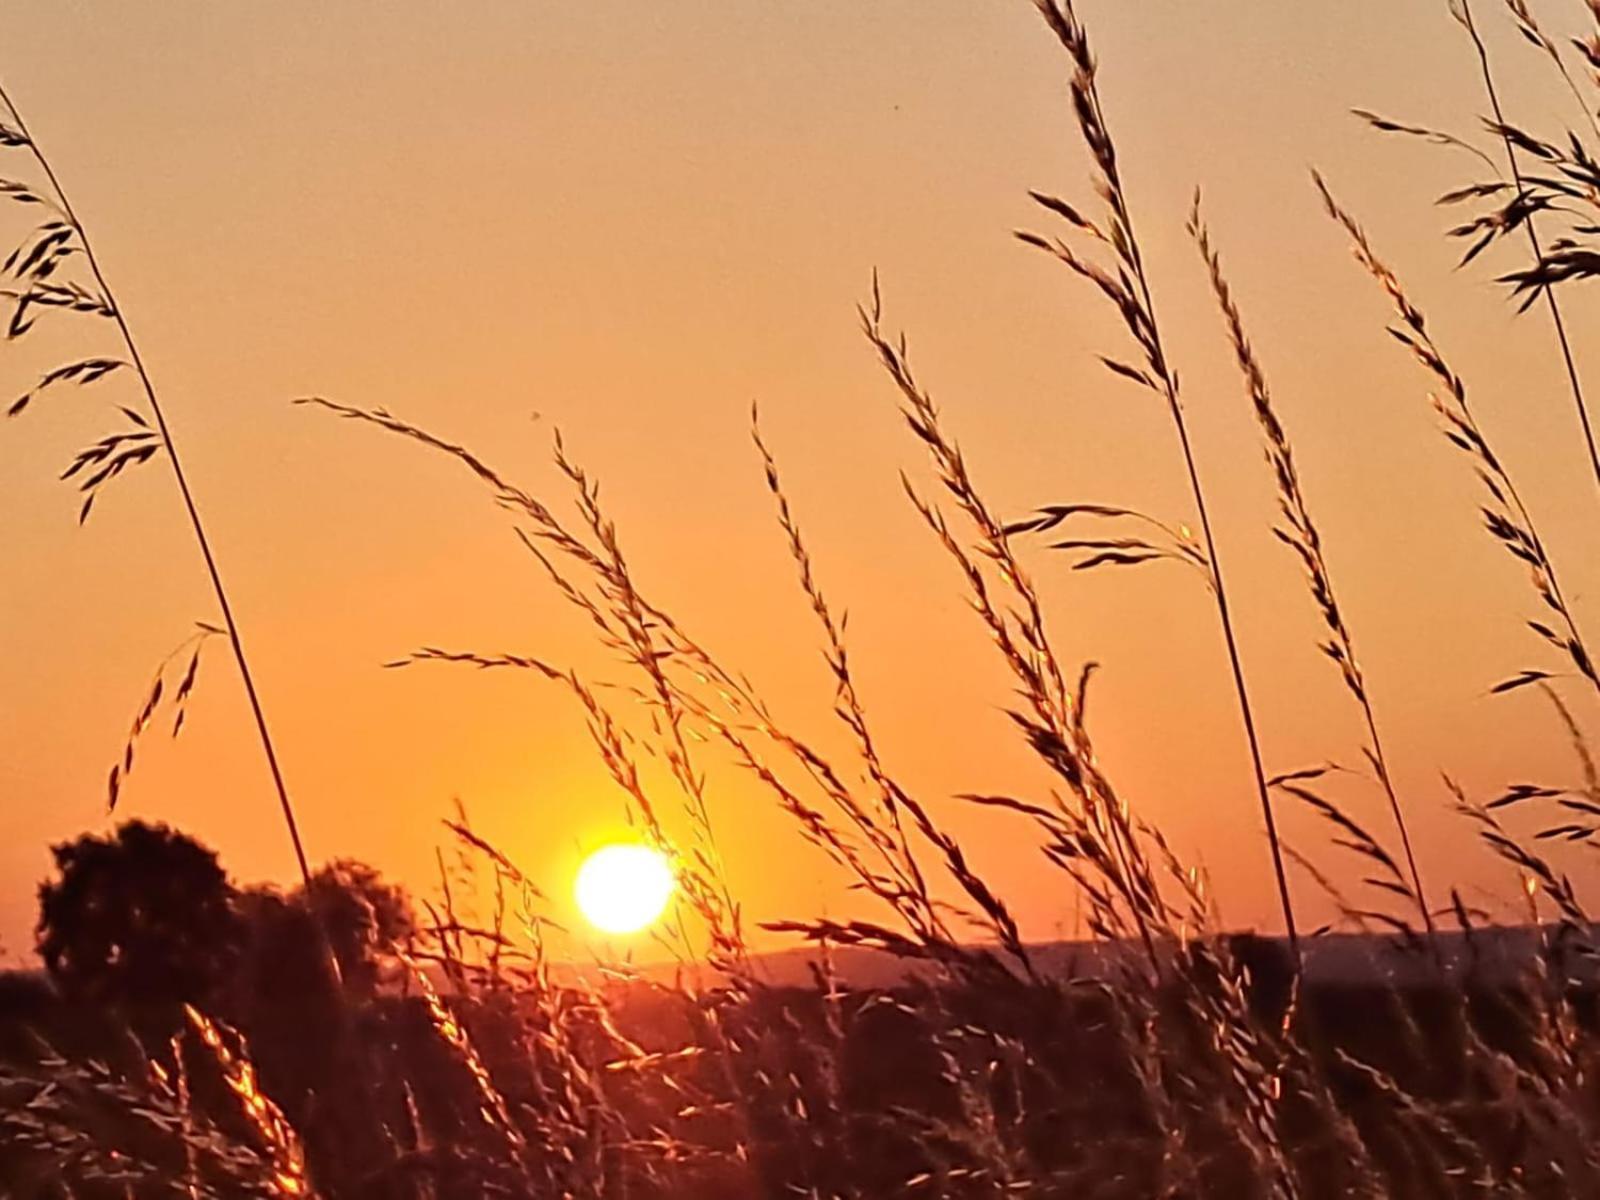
1299,532
82,1124
1096,841
888,839
1127,286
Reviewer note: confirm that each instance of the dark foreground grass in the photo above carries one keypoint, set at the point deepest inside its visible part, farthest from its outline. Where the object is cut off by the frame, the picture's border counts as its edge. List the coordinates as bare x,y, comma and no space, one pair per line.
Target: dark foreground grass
506,1083
1175,1061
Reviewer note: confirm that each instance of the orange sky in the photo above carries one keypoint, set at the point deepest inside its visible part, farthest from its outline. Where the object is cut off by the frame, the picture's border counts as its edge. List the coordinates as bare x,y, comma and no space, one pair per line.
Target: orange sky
632,222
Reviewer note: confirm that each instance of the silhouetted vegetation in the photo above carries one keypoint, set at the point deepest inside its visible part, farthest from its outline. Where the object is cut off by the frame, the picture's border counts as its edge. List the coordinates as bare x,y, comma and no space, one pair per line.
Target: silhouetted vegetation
190,1038
141,918
466,1079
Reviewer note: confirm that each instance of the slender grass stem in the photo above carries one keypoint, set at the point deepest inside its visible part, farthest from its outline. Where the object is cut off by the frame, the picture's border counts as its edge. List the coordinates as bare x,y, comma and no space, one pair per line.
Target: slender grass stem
212,570
1300,533
1129,289
1246,711
1534,243
1380,763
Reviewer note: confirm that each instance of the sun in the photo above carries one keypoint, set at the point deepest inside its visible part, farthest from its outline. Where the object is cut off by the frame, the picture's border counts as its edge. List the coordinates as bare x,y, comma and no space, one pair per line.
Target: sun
624,887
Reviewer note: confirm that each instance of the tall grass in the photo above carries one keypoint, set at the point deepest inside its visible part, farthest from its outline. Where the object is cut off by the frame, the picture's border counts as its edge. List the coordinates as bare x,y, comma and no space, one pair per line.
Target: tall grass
40,272
1128,289
1177,1061
1504,514
1530,28
1299,532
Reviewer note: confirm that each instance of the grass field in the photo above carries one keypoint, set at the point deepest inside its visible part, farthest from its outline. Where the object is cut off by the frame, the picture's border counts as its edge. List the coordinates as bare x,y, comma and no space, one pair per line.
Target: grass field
192,1036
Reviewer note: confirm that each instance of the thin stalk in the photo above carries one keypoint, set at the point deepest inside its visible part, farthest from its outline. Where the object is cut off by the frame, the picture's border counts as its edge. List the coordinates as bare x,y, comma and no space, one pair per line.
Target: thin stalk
1505,515
1533,239
1246,712
1236,666
1129,290
231,625
1381,763
1300,533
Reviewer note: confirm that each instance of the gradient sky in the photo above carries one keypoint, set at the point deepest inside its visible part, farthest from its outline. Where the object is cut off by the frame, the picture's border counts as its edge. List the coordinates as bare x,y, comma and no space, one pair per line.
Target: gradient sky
631,221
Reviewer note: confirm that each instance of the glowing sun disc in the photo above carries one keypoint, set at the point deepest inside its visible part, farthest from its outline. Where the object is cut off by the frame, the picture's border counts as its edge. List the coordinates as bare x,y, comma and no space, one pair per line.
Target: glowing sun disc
623,888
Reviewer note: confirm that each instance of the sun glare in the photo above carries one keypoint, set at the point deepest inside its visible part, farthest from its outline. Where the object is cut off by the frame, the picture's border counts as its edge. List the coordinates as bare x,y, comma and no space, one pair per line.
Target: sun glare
624,887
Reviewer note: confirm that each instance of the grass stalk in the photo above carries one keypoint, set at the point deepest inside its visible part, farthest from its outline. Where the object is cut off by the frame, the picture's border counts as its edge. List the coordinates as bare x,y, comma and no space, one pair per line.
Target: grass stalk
1557,321
164,431
1505,515
1300,533
1129,289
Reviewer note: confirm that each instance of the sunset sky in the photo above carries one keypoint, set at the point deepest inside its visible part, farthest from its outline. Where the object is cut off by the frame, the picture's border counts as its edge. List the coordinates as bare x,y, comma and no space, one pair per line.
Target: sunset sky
630,222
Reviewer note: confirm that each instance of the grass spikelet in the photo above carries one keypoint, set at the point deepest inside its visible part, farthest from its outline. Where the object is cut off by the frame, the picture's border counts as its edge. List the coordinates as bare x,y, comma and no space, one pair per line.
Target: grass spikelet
1504,514
1538,279
1098,833
492,1105
1299,532
277,1135
36,269
1127,286
177,696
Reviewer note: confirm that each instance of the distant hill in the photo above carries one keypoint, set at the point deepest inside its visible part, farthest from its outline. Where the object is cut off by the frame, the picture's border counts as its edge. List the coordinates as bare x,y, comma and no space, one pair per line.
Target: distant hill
1501,954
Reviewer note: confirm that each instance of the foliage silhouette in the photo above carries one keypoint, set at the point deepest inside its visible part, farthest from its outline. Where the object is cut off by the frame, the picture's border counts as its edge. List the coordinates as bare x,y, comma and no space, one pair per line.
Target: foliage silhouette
143,917
364,918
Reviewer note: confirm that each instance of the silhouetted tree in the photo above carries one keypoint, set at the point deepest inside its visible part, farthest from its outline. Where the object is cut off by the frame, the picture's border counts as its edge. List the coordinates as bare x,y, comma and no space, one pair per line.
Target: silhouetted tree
322,1042
142,917
364,918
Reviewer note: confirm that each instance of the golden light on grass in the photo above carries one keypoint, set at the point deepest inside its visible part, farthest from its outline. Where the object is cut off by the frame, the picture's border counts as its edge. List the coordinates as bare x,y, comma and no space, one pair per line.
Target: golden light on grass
624,887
